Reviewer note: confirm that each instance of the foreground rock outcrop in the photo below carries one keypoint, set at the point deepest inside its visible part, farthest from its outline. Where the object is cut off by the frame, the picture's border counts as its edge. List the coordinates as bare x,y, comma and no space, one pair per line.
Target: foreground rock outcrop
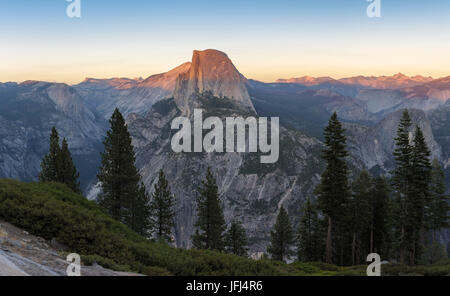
22,254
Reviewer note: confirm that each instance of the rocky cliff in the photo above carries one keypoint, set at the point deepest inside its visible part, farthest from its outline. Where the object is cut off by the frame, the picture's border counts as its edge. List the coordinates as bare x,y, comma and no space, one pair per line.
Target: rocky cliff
374,145
211,71
250,191
28,111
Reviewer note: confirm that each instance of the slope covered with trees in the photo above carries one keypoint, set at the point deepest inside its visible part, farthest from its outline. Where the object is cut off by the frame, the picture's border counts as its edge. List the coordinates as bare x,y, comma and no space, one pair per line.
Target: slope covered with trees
54,211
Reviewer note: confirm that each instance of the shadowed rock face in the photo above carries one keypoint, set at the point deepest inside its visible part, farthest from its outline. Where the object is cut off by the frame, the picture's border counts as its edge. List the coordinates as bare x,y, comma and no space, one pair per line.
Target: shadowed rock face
374,145
250,192
28,112
211,71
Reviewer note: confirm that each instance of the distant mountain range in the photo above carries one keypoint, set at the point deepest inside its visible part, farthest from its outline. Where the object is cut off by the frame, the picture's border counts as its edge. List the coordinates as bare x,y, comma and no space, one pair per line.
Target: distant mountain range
379,82
370,108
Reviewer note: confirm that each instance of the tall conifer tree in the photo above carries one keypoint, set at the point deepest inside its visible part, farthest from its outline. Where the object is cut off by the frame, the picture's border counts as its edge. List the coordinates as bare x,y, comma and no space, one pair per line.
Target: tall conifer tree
162,212
210,221
310,240
57,165
419,198
137,212
361,216
281,237
236,239
333,191
49,165
123,194
380,236
437,214
403,185
68,173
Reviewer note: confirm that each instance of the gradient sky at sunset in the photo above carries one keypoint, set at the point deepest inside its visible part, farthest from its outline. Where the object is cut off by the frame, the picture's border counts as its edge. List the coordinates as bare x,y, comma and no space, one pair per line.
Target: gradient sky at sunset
265,39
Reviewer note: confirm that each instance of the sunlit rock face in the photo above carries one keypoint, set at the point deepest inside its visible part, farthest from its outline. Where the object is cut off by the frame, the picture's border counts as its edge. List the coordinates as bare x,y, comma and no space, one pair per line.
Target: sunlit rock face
211,71
129,95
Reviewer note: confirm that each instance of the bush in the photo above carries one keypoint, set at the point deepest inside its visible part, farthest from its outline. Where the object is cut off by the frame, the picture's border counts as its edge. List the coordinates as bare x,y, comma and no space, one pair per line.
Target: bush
90,260
405,270
433,253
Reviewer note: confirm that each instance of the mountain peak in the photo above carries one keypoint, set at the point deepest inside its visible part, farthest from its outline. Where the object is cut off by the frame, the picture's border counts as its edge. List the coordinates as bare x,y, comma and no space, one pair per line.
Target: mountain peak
211,71
211,53
400,76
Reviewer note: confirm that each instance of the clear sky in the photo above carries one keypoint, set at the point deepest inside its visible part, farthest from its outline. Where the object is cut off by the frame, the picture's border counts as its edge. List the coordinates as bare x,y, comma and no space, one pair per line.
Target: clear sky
265,39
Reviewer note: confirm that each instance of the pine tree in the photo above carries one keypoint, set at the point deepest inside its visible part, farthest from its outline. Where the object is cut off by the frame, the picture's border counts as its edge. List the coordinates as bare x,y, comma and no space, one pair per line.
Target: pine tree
380,238
138,212
50,161
57,165
333,191
310,244
419,197
210,222
67,171
434,253
122,192
361,216
437,214
161,207
281,238
236,239
402,183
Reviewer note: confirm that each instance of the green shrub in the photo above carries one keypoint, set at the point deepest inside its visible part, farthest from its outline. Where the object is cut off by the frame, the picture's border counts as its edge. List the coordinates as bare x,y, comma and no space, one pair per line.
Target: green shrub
89,260
424,270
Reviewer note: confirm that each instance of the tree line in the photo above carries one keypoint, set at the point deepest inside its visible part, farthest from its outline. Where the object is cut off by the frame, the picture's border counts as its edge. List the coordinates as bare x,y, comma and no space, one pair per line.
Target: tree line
123,195
125,198
398,217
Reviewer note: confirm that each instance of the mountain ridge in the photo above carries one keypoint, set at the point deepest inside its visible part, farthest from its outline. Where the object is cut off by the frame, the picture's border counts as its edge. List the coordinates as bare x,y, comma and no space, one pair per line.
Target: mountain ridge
395,81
